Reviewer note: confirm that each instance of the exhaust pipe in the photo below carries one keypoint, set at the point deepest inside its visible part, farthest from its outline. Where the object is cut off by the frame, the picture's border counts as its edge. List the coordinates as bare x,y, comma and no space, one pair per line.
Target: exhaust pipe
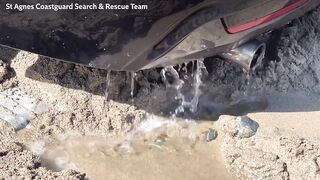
248,55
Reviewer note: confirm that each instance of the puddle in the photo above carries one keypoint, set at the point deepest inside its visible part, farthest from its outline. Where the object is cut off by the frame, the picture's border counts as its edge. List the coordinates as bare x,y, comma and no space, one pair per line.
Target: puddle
161,149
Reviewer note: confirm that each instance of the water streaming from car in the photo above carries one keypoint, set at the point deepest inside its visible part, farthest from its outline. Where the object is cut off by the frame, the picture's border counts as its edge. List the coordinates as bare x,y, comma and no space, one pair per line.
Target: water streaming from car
107,89
133,75
172,79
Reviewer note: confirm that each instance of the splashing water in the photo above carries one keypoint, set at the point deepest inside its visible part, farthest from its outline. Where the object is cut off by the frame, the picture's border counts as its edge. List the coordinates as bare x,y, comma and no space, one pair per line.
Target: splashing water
106,92
154,126
196,84
133,75
172,79
179,67
185,67
192,68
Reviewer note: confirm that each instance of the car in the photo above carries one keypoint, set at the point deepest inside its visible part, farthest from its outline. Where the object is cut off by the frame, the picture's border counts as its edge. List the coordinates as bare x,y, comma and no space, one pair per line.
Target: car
142,34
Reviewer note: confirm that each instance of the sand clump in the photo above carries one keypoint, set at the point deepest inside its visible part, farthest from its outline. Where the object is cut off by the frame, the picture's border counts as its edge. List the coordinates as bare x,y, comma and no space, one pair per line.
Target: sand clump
18,163
75,96
271,154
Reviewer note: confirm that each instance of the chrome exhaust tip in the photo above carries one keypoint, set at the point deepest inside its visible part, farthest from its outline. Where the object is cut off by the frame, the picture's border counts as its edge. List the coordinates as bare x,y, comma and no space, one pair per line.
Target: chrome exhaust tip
248,55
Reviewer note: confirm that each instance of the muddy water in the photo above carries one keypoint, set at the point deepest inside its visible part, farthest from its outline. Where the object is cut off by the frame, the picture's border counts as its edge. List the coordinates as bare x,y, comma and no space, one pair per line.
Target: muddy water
159,149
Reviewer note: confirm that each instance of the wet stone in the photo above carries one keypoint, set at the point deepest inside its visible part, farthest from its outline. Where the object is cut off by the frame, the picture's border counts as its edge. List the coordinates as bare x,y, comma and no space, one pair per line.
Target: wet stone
246,127
211,135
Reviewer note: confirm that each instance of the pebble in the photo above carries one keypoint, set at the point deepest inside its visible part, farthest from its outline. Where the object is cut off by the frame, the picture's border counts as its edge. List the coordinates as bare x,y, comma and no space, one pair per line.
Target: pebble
211,135
246,127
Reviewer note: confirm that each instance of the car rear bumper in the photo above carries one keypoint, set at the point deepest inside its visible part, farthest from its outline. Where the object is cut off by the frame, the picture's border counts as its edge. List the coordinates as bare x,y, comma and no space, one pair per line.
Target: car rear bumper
213,38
